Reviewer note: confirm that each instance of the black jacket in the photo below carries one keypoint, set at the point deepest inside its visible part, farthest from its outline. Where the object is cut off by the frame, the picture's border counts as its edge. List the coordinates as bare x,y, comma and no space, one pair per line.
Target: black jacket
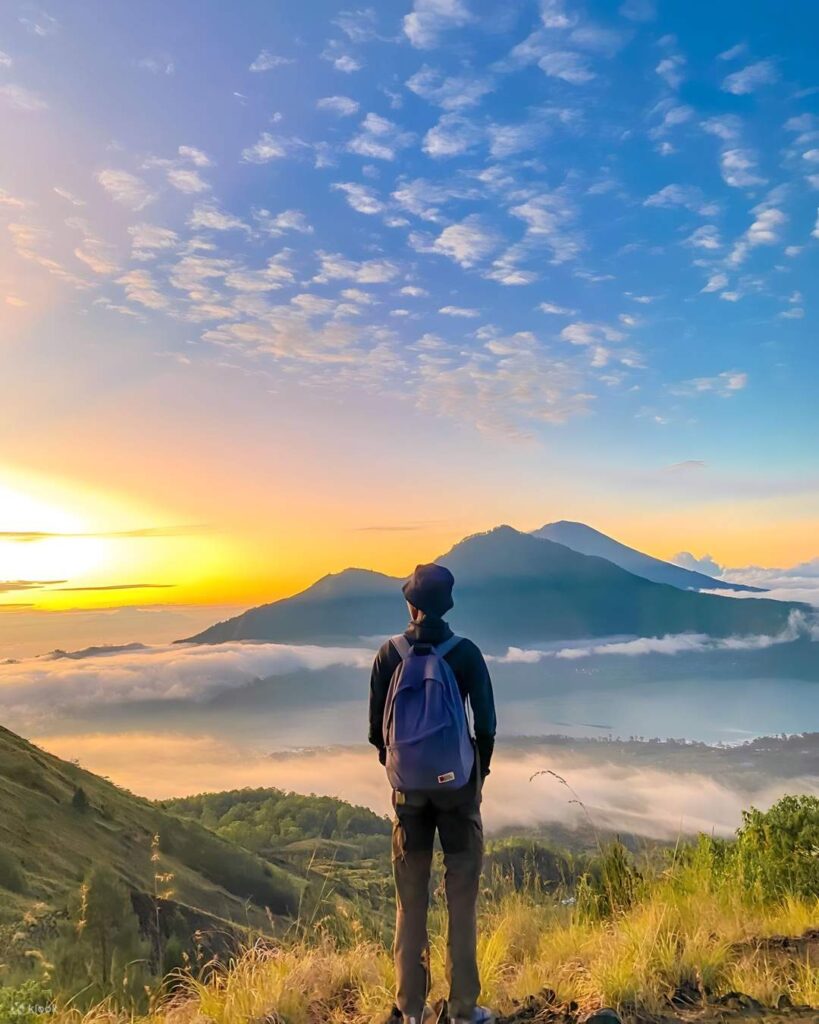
469,669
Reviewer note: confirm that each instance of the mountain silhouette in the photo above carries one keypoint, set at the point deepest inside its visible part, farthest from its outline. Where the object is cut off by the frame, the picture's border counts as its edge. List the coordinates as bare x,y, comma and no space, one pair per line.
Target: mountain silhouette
511,589
588,541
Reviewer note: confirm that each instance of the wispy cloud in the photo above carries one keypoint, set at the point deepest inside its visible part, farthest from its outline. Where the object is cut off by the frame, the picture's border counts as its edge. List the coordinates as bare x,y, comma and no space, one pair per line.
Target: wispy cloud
148,240
379,138
639,10
343,106
39,23
270,147
118,586
21,98
724,384
555,310
360,197
567,65
334,267
126,188
158,64
508,386
451,92
29,536
210,217
739,168
751,78
196,156
15,586
452,136
468,242
267,61
672,70
429,19
459,311
97,255
687,196
185,179
766,229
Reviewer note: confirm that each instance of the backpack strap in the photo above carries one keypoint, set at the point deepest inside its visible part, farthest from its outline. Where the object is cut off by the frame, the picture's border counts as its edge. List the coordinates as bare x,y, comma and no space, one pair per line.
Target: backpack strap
443,649
401,644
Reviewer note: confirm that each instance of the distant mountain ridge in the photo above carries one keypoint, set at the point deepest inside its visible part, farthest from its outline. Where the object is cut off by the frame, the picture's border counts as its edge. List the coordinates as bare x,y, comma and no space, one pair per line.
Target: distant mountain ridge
511,588
589,541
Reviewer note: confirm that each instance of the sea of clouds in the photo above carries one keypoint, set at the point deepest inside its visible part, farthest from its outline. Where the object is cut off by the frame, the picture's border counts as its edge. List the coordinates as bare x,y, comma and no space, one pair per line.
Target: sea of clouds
799,583
173,672
799,625
58,683
652,801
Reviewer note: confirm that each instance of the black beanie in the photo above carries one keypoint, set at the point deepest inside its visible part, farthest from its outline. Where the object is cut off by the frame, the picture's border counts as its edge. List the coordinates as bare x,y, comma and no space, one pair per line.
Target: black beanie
430,589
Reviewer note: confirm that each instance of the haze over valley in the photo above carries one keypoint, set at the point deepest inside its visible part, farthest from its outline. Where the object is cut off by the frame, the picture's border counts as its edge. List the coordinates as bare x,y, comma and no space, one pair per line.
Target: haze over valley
578,646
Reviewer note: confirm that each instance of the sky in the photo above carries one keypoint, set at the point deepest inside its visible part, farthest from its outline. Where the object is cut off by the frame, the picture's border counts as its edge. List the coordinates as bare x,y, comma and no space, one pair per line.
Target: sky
290,287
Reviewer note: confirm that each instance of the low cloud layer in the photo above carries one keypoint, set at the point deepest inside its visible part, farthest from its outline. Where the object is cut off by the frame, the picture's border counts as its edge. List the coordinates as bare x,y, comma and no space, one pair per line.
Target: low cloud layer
799,583
175,672
799,625
650,802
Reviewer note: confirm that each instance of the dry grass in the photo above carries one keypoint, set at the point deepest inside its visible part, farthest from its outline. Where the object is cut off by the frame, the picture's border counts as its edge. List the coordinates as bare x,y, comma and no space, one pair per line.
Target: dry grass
681,931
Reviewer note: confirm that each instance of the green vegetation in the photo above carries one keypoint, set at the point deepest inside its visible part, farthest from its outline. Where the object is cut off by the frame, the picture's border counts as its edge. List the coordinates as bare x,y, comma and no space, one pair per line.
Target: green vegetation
270,821
110,907
57,821
98,949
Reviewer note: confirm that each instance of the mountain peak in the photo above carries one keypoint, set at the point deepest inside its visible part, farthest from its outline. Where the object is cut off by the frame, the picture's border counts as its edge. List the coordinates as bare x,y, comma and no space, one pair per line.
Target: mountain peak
588,541
351,580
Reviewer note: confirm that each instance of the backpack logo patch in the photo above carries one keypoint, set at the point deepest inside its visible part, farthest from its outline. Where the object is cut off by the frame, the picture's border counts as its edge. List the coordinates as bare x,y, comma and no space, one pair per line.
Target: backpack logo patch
447,777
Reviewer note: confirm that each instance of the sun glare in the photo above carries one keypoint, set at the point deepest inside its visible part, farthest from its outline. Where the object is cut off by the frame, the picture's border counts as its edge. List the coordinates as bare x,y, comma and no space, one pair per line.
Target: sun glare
63,546
38,539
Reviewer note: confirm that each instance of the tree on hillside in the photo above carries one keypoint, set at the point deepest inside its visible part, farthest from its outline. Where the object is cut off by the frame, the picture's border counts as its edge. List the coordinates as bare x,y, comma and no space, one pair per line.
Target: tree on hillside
79,801
99,950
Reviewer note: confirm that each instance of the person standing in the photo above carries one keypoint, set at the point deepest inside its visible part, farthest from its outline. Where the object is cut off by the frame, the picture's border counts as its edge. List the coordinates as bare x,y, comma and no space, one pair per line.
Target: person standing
421,683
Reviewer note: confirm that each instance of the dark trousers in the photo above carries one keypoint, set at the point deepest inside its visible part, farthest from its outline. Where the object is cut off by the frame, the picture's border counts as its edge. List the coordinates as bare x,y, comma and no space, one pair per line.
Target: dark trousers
457,817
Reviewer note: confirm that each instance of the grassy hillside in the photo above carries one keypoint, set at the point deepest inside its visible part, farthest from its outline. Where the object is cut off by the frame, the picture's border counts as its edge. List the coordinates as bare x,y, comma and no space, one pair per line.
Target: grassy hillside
712,930
647,931
57,821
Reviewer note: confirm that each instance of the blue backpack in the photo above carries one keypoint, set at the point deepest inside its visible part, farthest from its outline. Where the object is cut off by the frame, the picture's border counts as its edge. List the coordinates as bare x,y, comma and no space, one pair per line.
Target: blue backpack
425,725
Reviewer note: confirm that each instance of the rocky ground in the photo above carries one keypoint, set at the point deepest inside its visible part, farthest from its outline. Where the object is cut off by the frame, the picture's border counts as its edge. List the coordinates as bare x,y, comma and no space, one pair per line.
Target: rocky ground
733,1007
687,1006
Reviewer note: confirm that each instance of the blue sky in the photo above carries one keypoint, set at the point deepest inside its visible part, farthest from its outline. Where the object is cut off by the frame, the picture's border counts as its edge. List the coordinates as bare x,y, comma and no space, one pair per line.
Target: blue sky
545,241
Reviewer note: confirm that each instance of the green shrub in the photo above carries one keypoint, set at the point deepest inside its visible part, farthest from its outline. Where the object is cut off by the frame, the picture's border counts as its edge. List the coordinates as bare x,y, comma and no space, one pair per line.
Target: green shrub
611,886
26,1003
778,850
529,863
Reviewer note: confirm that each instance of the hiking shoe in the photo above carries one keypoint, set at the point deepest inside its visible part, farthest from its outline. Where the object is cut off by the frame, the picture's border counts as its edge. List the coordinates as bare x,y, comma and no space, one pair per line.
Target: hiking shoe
480,1015
429,1016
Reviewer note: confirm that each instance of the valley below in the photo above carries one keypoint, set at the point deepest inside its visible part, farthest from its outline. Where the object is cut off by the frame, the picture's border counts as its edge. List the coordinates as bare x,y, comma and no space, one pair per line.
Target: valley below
218,799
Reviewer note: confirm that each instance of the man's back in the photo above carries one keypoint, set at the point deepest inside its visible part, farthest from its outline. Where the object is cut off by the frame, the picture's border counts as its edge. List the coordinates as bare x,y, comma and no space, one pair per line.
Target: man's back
470,671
